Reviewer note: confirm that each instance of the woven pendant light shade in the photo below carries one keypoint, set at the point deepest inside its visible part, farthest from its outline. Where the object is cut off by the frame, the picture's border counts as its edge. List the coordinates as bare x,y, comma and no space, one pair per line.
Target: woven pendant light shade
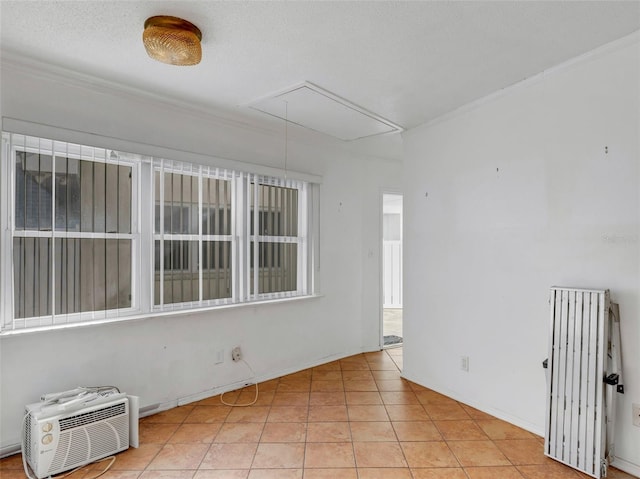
172,40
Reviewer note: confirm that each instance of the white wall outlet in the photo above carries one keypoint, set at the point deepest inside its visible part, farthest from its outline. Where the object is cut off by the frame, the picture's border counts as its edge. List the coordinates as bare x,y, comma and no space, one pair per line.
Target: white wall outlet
236,353
219,357
635,408
464,363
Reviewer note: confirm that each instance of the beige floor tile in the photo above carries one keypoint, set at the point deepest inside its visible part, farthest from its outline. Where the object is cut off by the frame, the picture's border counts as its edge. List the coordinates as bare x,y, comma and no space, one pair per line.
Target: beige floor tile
478,453
384,473
278,456
399,397
208,414
177,415
229,456
379,454
439,473
284,432
406,412
429,454
446,412
294,385
328,432
357,375
327,413
179,456
327,386
222,474
475,414
329,455
386,375
188,474
367,413
354,365
249,414
334,473
118,475
11,462
327,375
432,398
19,474
190,433
151,433
523,451
136,459
332,366
324,398
358,385
548,471
393,385
290,399
410,431
495,472
363,398
460,430
239,432
372,431
498,429
288,414
265,398
275,474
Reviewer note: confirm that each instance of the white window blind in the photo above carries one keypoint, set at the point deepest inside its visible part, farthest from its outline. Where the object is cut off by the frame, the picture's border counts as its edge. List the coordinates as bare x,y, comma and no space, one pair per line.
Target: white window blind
93,234
72,227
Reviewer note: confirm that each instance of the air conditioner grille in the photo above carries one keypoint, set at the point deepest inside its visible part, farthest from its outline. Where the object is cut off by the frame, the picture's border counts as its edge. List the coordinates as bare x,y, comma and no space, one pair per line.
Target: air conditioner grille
28,437
61,453
91,417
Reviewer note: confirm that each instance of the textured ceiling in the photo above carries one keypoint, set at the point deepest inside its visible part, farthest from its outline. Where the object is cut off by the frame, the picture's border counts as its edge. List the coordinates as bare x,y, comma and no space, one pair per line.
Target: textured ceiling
408,62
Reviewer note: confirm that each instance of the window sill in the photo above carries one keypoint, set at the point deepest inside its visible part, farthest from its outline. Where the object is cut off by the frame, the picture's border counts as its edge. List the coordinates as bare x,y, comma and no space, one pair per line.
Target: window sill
140,316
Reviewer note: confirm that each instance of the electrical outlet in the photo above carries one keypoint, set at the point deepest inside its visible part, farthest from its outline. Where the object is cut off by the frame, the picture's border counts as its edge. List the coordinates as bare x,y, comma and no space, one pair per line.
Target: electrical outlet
219,357
635,408
464,363
236,353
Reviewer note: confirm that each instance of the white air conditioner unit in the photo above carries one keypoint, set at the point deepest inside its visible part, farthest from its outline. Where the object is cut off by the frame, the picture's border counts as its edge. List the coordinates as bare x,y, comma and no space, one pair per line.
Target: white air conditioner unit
59,436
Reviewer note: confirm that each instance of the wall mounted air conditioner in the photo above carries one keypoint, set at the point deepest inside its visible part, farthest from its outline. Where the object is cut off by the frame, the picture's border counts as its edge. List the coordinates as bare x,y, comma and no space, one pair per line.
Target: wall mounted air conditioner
60,436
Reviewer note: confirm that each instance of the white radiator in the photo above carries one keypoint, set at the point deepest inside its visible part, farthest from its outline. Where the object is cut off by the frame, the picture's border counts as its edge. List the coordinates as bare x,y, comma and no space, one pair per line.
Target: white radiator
582,366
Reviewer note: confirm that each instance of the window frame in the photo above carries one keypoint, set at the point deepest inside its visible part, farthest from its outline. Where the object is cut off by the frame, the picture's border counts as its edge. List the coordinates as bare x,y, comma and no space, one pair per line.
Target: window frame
143,234
59,149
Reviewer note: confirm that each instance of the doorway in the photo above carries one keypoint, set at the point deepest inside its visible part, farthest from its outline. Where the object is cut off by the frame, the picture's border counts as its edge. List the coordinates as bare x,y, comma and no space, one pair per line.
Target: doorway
391,270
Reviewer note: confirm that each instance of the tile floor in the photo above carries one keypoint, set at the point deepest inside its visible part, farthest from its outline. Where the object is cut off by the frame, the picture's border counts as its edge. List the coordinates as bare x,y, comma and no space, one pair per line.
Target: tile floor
349,419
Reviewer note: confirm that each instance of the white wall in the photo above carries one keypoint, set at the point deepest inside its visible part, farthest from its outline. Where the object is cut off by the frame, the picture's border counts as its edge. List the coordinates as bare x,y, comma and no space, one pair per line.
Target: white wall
165,359
521,197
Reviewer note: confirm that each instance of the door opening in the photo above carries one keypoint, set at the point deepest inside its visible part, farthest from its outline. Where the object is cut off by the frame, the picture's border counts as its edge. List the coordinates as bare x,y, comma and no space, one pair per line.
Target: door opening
392,269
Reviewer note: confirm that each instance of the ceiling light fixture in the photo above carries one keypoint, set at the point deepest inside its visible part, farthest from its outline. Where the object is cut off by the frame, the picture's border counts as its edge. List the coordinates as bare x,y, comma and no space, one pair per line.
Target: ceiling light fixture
172,40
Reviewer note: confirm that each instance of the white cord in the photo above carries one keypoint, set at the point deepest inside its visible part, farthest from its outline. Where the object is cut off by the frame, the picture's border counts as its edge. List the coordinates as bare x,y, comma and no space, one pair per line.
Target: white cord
22,447
255,399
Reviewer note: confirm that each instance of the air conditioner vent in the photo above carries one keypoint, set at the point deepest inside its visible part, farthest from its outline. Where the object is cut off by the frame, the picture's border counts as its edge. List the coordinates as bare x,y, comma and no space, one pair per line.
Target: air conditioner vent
91,417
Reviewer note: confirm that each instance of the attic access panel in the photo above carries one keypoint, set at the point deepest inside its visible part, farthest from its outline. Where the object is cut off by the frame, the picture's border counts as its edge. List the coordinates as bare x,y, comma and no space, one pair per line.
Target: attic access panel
317,109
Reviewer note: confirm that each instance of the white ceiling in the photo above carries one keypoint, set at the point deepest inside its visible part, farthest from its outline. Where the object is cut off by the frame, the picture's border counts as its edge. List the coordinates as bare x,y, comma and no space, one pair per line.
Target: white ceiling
408,62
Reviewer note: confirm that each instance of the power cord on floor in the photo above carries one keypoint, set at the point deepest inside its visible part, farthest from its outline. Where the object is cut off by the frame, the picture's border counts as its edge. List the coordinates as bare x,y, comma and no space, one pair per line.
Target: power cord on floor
112,458
255,383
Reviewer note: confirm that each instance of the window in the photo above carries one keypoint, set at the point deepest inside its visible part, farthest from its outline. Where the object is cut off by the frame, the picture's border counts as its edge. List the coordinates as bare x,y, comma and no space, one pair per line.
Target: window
72,236
96,234
193,232
274,236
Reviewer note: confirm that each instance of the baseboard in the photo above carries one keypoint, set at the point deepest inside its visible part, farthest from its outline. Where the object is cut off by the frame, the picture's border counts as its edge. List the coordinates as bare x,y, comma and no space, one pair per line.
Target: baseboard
516,421
260,379
626,466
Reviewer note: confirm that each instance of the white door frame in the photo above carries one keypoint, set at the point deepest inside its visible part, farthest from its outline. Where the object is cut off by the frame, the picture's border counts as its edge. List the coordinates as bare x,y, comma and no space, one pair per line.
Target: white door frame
383,191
